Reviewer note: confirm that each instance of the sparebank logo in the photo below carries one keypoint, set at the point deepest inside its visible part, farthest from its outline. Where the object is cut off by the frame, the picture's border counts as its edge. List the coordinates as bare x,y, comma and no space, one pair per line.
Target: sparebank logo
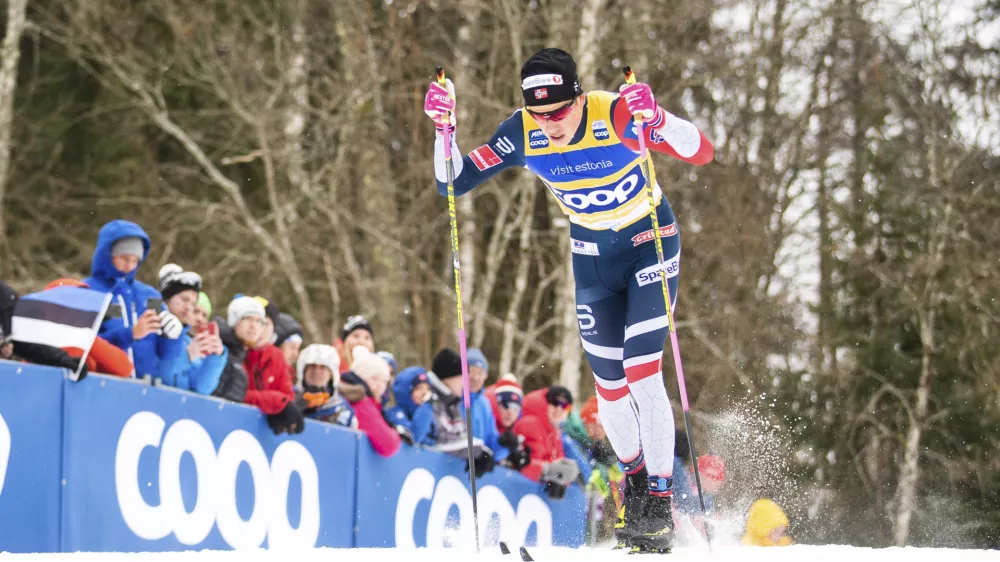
216,476
4,450
512,525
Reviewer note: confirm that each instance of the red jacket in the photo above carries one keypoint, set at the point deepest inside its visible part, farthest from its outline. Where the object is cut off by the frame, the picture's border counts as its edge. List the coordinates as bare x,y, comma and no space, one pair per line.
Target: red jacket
539,433
270,384
104,358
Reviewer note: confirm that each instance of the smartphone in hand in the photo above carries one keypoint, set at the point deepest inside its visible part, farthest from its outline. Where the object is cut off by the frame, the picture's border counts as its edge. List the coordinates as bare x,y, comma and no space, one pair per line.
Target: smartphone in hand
155,304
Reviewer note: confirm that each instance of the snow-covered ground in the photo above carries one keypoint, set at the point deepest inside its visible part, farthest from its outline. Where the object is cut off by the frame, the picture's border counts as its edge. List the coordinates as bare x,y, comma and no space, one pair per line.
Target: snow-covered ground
740,554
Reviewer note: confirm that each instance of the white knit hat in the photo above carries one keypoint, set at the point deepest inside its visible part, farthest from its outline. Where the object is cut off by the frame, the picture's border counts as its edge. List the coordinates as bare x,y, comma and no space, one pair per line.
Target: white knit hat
319,354
243,306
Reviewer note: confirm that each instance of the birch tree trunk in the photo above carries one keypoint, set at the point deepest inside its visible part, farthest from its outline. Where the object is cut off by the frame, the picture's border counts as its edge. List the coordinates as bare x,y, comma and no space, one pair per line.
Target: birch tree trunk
10,53
521,278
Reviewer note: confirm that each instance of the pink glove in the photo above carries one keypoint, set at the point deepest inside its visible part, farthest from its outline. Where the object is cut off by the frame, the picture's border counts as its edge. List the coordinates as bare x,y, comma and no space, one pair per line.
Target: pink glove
439,101
640,101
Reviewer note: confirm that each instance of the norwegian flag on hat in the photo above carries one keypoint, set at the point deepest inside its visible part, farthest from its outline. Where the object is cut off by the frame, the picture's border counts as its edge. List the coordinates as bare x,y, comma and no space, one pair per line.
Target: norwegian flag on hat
541,93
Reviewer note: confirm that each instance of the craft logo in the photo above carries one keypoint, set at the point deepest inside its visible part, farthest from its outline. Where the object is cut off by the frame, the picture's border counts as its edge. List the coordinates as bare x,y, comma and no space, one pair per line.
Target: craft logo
665,231
215,470
484,158
450,494
651,274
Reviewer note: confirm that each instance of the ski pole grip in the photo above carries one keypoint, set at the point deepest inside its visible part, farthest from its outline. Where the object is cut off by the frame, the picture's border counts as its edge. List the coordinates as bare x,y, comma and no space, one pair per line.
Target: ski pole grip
630,79
440,75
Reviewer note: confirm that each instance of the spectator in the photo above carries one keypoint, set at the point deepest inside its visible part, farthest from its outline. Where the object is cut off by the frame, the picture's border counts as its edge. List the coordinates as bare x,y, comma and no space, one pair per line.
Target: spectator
318,379
269,336
767,525
387,399
288,337
268,377
200,369
440,422
136,321
545,410
484,425
30,352
233,382
713,473
506,398
357,331
412,389
363,387
103,357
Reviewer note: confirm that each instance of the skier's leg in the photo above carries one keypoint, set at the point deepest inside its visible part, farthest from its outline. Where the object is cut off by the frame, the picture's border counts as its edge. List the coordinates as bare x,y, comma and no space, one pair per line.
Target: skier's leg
645,333
601,317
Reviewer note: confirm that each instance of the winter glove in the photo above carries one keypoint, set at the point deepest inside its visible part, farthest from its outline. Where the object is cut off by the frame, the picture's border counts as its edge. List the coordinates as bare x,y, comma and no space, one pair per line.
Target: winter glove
519,458
170,325
560,471
289,420
509,440
483,463
555,491
439,101
405,435
599,484
640,101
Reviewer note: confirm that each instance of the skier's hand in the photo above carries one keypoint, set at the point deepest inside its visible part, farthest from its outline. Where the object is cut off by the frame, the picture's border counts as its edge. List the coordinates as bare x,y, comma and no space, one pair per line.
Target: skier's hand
641,102
439,101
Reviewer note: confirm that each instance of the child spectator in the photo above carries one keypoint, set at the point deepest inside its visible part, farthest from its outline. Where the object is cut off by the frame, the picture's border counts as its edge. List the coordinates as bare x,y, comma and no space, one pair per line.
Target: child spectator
412,389
506,398
136,322
363,387
103,357
318,370
233,382
269,381
200,369
545,410
288,337
357,331
767,525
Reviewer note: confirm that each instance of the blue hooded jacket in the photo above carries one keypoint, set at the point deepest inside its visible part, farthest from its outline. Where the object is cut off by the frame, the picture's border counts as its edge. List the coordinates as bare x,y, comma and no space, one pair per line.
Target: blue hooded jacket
484,425
402,412
131,296
201,375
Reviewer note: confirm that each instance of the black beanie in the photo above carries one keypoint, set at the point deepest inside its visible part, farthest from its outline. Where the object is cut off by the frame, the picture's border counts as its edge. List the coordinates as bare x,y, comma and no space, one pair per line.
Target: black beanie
173,280
559,396
356,322
549,76
446,364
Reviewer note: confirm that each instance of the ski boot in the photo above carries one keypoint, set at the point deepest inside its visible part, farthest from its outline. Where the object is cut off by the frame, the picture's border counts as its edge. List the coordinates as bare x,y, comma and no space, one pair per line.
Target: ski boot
633,507
655,530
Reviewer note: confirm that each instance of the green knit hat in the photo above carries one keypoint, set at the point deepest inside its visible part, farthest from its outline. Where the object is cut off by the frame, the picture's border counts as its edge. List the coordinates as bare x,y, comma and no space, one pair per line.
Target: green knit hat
204,304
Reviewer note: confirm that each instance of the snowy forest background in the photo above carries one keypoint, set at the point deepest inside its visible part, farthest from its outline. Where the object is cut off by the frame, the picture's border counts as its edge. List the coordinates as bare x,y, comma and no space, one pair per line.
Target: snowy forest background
838,315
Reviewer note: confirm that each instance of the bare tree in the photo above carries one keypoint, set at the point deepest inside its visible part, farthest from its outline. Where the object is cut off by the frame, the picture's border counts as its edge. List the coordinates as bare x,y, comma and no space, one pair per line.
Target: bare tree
10,54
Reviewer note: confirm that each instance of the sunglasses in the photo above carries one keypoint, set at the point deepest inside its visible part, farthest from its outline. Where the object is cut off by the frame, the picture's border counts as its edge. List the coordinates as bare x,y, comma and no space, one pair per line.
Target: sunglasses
557,114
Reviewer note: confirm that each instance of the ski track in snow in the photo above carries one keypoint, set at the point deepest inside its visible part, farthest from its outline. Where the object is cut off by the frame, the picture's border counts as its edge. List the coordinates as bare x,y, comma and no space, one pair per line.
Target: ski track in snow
742,554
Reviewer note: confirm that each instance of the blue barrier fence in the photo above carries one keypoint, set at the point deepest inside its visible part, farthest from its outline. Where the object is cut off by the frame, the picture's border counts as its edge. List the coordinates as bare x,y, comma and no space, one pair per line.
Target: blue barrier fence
113,465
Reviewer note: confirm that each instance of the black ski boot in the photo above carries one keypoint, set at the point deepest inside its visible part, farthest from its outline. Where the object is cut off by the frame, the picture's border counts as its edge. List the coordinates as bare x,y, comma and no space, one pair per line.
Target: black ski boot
633,507
655,529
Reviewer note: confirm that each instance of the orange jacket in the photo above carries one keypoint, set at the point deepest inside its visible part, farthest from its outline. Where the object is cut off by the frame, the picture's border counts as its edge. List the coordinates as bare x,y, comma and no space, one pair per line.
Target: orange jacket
104,358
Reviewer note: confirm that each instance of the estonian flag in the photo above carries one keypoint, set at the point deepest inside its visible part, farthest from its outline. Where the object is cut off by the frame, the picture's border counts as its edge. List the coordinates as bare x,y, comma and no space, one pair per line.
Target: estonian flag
60,317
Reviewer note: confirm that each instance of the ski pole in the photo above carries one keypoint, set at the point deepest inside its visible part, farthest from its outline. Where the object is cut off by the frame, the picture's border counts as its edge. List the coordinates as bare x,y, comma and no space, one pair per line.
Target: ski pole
453,219
675,347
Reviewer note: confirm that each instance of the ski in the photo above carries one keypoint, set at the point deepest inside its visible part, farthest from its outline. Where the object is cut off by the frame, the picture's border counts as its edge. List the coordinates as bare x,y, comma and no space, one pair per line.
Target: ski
525,556
503,548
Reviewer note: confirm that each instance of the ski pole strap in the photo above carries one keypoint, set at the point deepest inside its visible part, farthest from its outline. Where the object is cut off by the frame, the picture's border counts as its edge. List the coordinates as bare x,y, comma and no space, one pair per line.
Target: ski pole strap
661,486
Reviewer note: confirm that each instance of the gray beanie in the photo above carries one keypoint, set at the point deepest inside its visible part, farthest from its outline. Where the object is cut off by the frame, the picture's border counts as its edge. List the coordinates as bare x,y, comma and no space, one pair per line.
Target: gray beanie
128,246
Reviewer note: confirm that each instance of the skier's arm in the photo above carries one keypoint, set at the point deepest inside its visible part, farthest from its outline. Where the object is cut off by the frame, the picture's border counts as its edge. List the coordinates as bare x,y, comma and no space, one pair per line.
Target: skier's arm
674,136
504,149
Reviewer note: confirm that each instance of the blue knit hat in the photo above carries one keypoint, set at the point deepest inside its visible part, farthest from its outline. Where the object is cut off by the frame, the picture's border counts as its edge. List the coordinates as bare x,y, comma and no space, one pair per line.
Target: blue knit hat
477,359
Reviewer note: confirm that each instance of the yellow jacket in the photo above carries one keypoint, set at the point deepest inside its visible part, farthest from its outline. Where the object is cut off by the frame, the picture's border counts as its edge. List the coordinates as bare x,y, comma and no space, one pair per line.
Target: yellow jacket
765,516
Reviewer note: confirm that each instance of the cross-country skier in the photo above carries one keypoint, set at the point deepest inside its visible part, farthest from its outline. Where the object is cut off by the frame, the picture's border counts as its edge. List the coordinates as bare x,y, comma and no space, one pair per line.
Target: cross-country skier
584,147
